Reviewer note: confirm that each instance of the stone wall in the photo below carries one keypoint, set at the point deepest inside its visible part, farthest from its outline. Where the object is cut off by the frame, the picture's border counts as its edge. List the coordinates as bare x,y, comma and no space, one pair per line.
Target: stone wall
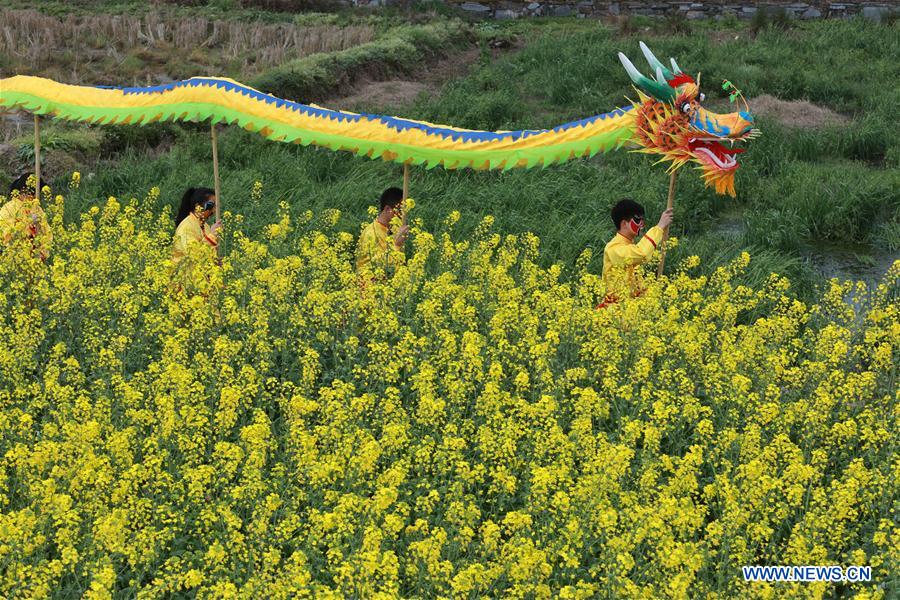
710,9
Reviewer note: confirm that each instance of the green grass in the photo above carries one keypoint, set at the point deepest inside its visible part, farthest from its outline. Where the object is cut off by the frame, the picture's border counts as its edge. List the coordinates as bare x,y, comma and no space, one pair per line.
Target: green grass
82,140
794,187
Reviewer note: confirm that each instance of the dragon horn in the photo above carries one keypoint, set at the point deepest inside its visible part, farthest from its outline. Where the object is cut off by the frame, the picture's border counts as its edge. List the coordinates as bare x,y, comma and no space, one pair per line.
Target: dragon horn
635,75
660,91
651,58
659,76
675,68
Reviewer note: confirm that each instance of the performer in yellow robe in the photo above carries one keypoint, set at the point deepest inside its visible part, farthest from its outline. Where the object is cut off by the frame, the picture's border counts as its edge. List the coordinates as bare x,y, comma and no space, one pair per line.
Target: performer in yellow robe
22,216
197,206
622,254
378,250
195,244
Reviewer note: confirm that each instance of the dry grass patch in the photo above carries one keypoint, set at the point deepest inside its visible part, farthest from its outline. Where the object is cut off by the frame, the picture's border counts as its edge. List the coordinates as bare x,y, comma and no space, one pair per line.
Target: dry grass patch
76,47
800,114
796,113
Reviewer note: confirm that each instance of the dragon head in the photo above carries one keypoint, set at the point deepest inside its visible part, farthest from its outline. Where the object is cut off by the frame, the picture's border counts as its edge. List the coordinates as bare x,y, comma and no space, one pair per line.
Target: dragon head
670,122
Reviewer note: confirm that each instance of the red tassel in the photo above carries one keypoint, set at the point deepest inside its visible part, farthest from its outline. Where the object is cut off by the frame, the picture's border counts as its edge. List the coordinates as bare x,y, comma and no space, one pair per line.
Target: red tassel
680,79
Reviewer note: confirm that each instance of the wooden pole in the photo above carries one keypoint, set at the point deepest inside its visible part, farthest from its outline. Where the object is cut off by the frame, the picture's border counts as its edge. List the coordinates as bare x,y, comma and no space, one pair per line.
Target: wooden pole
37,156
216,184
405,188
669,204
215,156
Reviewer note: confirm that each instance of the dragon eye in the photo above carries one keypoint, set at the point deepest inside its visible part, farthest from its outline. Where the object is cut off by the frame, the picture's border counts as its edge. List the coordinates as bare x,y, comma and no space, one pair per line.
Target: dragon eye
686,107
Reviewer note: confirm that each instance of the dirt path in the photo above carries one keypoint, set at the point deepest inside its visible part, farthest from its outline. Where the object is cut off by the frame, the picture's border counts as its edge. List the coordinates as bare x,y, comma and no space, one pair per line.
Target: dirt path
389,94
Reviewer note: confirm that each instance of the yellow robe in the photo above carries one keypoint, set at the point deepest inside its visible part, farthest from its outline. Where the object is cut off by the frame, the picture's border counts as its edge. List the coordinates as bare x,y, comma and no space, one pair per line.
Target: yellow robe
191,231
26,218
375,249
622,255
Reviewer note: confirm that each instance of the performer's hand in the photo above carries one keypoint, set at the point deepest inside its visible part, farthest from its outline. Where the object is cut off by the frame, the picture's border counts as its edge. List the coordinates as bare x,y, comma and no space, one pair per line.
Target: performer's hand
665,219
215,227
401,236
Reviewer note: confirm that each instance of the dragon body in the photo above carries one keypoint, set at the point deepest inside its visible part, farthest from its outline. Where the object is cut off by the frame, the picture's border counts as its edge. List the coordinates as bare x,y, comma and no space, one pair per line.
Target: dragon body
667,121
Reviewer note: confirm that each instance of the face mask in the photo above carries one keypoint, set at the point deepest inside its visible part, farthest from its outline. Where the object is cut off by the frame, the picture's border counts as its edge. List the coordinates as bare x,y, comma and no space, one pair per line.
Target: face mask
636,224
